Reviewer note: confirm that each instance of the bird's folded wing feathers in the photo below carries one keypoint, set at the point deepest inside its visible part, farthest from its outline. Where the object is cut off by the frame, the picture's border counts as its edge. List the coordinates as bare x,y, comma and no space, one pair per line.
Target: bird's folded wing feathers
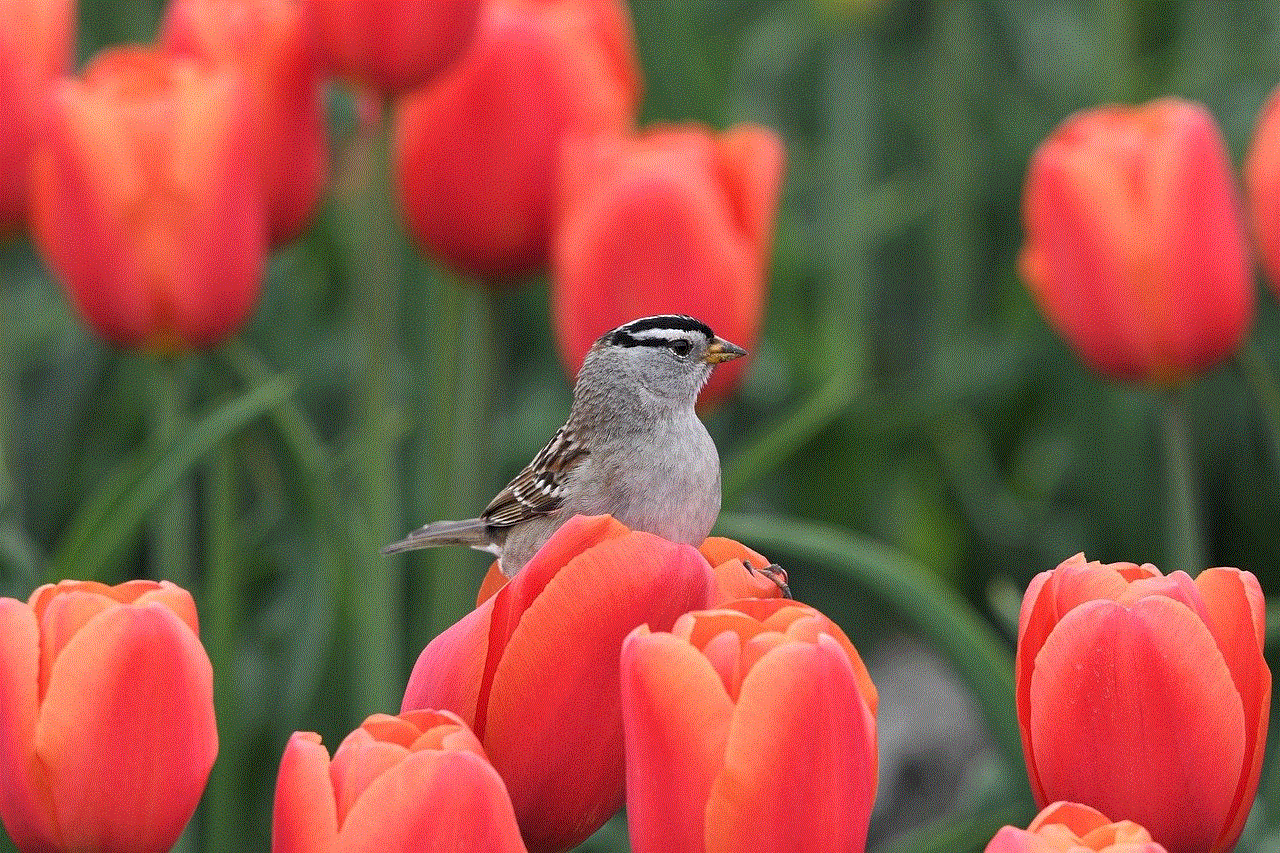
539,488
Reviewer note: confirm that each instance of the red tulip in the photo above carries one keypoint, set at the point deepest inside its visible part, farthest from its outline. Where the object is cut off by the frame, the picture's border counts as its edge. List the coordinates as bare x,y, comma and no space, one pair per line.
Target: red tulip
107,732
146,199
36,43
676,220
267,42
1073,828
751,727
1146,696
1135,246
476,152
390,45
1262,183
534,669
419,781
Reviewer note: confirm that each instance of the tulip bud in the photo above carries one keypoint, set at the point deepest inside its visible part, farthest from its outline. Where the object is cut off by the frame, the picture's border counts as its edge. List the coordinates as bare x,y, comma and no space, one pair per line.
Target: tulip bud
36,42
107,732
1072,828
147,200
390,45
267,42
419,781
676,220
534,669
751,727
1262,184
476,152
1135,246
1146,696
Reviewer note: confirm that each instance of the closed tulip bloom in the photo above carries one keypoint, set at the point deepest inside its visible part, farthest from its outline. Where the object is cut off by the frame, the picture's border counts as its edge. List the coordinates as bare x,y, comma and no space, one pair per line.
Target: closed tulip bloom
751,727
476,152
1073,828
419,781
391,46
266,40
1135,248
674,220
107,732
1146,696
534,669
147,200
36,42
1262,184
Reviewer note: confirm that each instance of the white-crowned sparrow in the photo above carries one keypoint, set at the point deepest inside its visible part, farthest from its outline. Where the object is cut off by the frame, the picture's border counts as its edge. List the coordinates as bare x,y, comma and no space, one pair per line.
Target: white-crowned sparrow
632,448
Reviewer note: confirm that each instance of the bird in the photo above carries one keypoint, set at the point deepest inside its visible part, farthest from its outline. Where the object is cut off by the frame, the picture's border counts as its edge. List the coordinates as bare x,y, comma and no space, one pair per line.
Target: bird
632,447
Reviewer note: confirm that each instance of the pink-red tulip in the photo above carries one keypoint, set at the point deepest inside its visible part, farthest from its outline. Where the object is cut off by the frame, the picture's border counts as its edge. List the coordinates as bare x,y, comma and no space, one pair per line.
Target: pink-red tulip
390,45
36,40
267,42
751,727
476,152
1135,246
1073,828
1262,184
677,220
534,669
146,199
1146,696
416,782
107,732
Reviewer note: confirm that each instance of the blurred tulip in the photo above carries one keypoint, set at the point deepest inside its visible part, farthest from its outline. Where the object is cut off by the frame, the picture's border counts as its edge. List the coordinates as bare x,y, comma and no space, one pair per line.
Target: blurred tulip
676,220
391,46
751,727
476,152
36,43
107,732
419,781
1146,696
1135,247
267,42
534,669
146,199
1262,184
1073,828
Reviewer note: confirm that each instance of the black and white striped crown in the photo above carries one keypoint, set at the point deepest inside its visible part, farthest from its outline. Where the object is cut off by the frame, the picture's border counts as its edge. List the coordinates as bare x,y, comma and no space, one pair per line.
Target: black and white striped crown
660,330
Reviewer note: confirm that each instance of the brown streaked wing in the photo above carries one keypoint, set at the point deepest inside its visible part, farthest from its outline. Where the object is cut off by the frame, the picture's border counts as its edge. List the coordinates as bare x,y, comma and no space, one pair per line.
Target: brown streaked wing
539,488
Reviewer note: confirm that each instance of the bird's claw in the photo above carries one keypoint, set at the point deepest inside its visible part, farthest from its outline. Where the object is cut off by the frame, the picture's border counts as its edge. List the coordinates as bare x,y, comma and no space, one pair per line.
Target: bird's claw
773,572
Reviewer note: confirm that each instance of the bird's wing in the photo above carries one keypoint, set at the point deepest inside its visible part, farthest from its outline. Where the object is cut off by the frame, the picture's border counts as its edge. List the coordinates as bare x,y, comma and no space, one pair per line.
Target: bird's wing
539,488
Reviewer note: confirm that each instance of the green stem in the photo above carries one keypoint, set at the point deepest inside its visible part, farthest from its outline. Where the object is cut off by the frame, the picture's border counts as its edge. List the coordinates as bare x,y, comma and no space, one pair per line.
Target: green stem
932,608
171,527
222,610
1262,381
1184,547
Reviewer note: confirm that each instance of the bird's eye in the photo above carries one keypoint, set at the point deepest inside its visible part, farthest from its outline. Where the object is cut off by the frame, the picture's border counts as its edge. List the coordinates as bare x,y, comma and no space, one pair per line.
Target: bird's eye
681,348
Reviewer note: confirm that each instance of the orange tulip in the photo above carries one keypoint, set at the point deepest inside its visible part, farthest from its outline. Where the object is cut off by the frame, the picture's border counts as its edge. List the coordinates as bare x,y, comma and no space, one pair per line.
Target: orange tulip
676,220
1262,183
36,43
147,201
390,45
476,152
1146,696
752,727
534,669
419,781
1135,247
1072,828
267,42
107,732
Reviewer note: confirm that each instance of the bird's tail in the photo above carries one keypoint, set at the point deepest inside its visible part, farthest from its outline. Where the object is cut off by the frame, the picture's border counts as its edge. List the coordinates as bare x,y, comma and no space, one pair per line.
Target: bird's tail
473,532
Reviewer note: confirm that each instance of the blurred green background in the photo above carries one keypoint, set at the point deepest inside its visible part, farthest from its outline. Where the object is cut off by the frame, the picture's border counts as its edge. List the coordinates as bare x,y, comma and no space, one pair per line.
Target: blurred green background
912,442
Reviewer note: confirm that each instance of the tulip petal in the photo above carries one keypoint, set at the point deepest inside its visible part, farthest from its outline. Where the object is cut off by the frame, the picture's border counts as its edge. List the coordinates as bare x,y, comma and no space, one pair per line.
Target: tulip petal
750,159
1079,818
433,800
558,679
675,715
133,691
24,800
800,763
1010,839
305,816
448,673
1133,709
